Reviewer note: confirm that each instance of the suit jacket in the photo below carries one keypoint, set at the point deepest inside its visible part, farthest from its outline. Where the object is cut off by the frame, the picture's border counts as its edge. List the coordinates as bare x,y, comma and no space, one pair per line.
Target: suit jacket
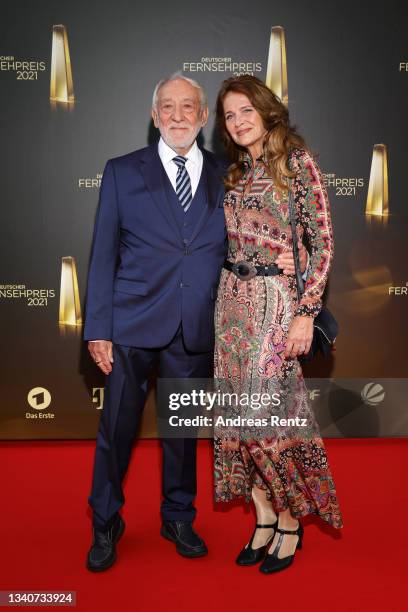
143,278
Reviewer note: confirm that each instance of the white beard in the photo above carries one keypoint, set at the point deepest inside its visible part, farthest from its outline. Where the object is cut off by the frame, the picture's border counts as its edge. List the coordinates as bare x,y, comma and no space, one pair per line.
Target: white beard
185,144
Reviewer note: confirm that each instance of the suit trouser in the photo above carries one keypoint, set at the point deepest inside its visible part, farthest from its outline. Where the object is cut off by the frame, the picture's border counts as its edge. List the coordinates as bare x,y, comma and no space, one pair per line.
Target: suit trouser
125,395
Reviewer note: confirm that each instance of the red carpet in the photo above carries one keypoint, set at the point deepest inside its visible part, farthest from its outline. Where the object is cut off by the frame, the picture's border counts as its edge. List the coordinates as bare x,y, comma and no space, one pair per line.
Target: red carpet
46,531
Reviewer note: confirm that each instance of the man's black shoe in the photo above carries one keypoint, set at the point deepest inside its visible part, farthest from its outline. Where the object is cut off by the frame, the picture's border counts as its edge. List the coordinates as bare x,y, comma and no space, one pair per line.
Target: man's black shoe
102,553
187,542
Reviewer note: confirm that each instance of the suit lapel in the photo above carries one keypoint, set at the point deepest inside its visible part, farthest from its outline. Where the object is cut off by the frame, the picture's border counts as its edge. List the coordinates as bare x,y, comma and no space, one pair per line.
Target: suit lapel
214,192
152,170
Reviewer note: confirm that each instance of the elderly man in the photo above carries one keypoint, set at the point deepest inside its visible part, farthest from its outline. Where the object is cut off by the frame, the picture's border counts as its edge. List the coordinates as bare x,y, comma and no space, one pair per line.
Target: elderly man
158,248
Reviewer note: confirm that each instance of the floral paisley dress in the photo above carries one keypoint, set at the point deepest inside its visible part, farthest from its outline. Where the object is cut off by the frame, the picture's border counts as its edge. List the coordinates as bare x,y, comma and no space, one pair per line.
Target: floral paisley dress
252,319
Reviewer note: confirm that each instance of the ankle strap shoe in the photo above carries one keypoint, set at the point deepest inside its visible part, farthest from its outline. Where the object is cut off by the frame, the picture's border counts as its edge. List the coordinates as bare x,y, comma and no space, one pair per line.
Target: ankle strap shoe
251,556
272,563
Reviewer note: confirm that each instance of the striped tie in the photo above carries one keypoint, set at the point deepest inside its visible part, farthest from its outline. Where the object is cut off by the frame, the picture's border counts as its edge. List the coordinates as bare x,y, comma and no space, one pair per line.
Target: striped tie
183,183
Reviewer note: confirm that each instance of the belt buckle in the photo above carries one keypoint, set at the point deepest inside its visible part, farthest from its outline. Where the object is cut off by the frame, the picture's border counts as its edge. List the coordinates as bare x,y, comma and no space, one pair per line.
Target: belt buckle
244,271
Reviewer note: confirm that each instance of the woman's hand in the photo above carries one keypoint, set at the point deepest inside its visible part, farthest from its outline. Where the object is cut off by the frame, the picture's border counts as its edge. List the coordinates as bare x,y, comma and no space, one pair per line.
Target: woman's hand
300,336
285,260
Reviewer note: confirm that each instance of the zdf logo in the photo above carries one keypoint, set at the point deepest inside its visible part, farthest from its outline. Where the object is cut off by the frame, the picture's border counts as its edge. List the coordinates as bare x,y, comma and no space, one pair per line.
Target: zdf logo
373,394
39,398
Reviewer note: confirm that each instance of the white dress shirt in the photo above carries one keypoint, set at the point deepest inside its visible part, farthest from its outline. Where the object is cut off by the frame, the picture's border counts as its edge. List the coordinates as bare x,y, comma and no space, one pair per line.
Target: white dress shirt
194,164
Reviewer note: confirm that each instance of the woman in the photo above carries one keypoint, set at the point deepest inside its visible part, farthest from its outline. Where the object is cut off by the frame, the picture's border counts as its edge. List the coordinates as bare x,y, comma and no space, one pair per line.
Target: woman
261,329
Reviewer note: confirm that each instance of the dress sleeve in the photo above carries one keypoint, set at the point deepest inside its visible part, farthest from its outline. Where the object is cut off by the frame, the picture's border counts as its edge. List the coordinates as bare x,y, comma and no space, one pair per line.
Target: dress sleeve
313,213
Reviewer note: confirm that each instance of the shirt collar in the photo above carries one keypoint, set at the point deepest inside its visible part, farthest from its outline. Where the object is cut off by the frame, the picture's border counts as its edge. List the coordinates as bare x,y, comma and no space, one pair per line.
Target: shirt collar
167,153
256,170
246,157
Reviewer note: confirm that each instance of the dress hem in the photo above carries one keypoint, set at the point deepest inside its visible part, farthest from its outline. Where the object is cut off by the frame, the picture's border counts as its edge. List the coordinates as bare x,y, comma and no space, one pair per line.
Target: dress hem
337,524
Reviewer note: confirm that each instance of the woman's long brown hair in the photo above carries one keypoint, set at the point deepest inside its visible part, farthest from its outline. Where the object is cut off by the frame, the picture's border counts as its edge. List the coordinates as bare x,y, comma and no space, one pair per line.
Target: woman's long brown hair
281,137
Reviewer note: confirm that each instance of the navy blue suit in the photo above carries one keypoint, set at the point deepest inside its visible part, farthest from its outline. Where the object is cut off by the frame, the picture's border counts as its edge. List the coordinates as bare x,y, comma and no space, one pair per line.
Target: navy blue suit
152,286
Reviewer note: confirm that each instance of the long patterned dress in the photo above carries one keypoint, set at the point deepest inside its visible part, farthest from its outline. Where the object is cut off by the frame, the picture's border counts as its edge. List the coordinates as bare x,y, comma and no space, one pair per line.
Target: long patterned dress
252,320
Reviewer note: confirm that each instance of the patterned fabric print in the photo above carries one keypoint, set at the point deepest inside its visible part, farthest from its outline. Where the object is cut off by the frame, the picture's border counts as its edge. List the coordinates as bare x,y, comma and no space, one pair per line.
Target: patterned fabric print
313,211
252,319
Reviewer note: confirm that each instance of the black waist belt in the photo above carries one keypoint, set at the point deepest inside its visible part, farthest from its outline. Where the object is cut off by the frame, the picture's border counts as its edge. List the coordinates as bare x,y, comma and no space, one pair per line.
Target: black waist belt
246,271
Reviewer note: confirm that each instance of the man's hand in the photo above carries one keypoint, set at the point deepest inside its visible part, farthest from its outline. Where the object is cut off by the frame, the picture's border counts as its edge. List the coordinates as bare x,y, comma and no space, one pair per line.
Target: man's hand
287,263
102,354
300,336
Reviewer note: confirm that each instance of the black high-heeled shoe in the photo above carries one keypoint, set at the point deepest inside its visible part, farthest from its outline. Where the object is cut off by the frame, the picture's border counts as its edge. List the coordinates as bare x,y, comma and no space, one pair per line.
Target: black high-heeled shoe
271,562
251,556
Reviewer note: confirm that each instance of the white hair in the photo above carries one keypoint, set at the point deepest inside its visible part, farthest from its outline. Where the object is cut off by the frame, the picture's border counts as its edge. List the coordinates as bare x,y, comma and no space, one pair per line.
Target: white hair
174,77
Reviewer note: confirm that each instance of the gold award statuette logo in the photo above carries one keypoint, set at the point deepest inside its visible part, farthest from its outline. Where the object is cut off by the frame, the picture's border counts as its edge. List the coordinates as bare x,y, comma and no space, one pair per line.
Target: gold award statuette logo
276,72
70,306
61,84
377,198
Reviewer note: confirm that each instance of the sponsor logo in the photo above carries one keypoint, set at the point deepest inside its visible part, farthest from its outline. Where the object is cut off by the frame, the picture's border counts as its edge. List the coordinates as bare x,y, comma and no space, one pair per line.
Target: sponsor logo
314,394
39,398
373,394
98,394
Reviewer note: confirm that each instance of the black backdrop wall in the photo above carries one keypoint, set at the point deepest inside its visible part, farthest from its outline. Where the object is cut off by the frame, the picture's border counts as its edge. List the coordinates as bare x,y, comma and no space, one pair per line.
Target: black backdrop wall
347,67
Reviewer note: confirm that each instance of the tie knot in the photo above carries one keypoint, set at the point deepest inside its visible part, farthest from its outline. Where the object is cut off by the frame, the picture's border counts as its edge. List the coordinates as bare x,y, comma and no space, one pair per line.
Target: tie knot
179,160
